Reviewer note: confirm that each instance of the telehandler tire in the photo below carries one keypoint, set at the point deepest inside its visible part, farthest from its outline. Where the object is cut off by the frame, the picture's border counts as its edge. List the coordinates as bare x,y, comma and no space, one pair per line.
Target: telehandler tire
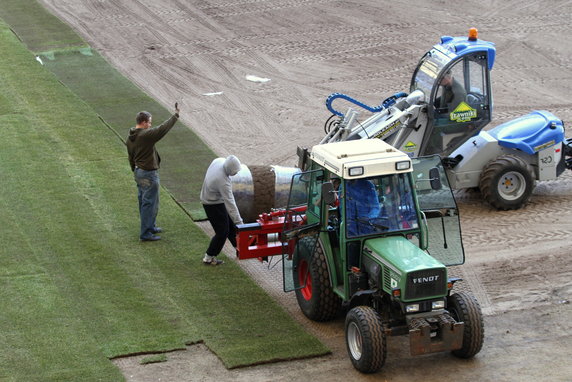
507,182
365,339
314,292
464,307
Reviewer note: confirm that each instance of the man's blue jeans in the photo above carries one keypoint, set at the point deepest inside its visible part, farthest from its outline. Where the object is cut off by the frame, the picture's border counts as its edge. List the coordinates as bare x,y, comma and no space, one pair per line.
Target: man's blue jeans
148,196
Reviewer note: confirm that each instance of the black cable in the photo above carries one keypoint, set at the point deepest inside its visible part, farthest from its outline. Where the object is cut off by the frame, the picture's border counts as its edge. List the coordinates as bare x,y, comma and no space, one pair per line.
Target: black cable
329,124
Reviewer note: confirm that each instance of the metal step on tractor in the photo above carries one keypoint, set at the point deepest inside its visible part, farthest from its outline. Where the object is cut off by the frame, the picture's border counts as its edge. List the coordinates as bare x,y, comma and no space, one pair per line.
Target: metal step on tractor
371,230
449,104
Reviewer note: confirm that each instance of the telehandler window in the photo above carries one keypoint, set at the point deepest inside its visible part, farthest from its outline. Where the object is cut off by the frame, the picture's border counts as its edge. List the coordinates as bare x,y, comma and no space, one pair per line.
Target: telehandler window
460,104
451,91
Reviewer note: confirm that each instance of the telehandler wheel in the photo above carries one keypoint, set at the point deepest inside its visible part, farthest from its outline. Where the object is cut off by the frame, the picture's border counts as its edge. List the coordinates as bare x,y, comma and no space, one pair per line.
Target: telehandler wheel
365,339
507,182
464,307
316,297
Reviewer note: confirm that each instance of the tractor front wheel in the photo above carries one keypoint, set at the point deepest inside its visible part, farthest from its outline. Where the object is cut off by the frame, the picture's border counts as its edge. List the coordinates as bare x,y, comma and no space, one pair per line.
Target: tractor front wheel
464,307
365,339
507,182
314,291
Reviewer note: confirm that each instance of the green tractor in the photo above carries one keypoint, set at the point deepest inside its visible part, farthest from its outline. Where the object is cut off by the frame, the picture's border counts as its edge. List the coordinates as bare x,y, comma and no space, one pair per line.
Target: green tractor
369,229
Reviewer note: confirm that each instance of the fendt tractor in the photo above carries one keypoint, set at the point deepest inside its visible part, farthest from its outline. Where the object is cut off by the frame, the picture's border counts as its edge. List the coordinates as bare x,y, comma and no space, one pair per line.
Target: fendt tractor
449,104
371,230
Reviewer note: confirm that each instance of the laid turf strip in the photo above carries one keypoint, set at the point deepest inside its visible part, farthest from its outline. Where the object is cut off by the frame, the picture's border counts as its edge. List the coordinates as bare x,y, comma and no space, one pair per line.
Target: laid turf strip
76,285
113,97
185,158
37,28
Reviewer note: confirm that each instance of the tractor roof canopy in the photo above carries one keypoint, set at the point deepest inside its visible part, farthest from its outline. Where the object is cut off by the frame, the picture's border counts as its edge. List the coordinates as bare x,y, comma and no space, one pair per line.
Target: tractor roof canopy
361,158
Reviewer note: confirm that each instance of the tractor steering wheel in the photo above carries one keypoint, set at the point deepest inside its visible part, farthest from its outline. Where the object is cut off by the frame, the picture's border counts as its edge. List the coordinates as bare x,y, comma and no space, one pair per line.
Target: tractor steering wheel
374,222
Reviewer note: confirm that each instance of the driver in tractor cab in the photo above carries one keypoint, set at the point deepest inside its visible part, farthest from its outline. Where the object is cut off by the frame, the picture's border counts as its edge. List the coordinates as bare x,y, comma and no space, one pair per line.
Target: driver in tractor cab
362,205
336,183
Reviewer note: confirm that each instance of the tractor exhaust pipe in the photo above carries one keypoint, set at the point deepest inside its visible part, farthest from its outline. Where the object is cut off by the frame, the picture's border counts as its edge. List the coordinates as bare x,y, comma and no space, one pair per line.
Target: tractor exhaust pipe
258,189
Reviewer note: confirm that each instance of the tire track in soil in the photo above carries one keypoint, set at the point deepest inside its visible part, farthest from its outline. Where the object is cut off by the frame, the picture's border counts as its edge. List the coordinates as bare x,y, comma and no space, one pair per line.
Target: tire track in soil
289,36
358,41
471,283
527,281
505,113
543,212
487,230
286,49
246,9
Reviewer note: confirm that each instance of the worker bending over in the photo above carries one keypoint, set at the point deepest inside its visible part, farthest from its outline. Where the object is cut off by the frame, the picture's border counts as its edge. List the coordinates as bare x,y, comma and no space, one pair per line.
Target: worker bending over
219,204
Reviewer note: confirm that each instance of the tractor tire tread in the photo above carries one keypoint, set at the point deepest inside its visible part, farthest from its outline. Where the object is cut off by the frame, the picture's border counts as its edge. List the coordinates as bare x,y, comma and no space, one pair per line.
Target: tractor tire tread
473,332
330,302
374,339
325,304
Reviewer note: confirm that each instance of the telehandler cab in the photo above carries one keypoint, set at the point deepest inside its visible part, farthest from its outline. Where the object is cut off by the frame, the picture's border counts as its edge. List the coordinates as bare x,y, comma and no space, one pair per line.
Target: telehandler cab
372,230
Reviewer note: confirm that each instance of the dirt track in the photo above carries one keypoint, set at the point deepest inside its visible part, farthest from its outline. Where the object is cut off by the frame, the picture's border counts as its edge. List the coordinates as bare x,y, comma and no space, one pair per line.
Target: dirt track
518,263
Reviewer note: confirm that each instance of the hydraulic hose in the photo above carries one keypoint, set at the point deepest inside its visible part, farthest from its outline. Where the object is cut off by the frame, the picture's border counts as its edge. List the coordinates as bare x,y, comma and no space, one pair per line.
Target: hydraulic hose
384,105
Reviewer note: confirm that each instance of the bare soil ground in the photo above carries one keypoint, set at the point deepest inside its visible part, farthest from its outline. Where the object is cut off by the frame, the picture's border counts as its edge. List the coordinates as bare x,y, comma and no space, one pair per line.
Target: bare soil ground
200,52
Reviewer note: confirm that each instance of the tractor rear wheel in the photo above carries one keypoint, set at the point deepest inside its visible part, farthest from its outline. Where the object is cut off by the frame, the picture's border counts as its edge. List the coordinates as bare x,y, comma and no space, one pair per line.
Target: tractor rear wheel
464,307
314,291
365,339
507,182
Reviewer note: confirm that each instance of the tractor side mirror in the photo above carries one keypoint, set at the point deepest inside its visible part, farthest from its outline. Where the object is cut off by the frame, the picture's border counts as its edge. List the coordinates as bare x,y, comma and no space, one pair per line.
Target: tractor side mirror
328,193
435,178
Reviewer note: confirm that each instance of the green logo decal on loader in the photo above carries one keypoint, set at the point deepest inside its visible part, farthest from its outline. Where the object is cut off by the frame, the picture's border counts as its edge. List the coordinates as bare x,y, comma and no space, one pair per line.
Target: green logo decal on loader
463,113
409,146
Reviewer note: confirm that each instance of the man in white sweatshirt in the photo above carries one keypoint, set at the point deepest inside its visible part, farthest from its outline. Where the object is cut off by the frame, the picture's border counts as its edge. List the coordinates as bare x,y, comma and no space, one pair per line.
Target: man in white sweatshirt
220,206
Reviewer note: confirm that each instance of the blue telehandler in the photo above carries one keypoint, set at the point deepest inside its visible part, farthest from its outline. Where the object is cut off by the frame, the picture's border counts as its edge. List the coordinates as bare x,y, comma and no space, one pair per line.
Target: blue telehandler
448,105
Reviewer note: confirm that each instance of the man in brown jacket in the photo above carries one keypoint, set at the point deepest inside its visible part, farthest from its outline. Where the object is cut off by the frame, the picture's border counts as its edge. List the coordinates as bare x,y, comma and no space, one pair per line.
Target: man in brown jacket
144,160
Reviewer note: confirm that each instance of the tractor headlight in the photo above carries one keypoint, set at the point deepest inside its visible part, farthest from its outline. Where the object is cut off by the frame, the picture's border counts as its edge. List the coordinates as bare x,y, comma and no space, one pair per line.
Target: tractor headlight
403,165
438,305
413,308
355,171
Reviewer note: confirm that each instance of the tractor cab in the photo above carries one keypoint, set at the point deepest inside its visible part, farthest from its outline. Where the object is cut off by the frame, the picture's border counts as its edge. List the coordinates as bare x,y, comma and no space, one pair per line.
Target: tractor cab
454,77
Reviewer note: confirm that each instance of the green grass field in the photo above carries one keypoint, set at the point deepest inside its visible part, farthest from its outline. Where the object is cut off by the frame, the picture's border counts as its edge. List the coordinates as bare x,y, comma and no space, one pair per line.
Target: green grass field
76,286
113,97
116,100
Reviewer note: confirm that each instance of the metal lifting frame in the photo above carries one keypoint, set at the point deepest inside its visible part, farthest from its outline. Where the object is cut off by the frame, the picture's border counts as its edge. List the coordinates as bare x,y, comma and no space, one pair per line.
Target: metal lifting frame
262,239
